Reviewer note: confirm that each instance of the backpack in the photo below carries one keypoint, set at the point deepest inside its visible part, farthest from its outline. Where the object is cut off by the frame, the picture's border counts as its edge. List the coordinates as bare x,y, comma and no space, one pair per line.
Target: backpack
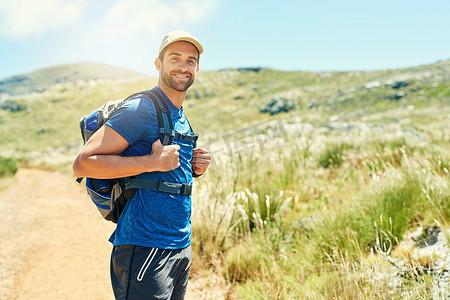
111,195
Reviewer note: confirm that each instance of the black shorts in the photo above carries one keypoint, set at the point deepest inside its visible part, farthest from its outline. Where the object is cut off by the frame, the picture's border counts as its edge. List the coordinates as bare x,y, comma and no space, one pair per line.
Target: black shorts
149,273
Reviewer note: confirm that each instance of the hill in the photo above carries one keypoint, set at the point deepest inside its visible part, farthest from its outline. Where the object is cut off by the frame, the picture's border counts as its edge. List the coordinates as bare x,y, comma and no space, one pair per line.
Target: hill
248,95
40,80
316,178
46,120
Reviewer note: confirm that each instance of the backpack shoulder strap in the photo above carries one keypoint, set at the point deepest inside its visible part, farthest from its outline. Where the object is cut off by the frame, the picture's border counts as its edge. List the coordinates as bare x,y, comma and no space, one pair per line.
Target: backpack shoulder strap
192,133
166,132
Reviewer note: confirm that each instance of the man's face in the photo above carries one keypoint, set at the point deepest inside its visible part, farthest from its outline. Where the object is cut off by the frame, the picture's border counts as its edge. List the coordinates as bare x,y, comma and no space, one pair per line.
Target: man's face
179,66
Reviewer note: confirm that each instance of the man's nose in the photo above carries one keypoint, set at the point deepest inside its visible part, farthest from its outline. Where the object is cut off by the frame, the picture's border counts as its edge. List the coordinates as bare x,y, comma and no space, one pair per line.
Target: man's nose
183,66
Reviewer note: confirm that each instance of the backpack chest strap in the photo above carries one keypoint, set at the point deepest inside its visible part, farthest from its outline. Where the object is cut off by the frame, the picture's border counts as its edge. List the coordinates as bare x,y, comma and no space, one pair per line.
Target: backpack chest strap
160,186
175,134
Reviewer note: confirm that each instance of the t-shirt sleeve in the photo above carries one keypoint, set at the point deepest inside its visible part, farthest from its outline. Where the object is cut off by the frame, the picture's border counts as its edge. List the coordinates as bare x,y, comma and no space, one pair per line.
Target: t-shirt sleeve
133,119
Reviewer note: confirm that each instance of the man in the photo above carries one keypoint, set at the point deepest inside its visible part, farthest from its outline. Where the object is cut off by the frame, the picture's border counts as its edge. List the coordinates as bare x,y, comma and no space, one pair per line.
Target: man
151,253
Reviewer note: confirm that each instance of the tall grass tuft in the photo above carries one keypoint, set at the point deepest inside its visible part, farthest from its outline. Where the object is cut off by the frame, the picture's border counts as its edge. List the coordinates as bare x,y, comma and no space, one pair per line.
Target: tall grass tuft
333,155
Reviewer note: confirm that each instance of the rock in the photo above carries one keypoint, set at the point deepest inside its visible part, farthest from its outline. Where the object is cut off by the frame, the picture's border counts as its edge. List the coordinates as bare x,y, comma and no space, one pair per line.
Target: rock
299,127
313,104
277,105
396,96
426,252
333,118
12,106
371,85
43,130
399,84
255,69
428,237
344,126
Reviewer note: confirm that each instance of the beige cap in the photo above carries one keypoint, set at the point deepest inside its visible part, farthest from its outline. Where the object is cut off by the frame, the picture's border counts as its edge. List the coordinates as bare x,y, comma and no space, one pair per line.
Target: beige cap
180,35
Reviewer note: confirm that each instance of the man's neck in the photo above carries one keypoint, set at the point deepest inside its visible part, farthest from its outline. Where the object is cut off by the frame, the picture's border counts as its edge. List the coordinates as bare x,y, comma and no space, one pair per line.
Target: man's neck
176,97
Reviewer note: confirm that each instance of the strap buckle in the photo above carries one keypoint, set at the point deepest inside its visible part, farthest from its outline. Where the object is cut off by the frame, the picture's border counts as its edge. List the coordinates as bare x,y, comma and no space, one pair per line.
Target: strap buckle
167,132
186,189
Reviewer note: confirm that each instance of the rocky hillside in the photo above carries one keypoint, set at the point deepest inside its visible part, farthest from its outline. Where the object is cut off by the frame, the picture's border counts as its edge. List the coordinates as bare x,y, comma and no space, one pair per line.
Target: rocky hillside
319,98
41,105
69,74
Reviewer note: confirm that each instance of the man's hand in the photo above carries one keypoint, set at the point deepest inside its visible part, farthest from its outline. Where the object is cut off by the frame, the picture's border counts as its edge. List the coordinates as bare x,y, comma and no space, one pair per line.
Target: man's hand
200,161
167,156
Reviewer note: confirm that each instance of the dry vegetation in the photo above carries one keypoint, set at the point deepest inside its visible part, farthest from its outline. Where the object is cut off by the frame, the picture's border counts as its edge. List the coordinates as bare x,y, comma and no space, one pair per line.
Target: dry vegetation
313,203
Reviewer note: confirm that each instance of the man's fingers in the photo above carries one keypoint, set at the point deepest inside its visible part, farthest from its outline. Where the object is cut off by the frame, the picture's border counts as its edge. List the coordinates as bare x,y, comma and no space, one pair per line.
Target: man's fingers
168,156
200,150
157,144
200,162
200,166
201,155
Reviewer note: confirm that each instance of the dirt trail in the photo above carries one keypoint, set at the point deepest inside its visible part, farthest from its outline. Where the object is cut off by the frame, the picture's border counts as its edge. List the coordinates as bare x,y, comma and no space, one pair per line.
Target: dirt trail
53,242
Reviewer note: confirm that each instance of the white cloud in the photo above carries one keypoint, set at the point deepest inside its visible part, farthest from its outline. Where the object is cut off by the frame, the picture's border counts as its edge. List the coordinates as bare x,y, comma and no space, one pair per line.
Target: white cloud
128,17
23,18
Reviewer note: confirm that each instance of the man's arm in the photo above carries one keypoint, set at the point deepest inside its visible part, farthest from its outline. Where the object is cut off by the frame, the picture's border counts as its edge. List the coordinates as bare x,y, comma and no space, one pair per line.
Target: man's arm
100,157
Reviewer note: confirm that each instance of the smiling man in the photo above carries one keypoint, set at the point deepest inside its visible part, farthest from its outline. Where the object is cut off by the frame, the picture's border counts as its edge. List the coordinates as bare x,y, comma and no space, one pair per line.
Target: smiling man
151,254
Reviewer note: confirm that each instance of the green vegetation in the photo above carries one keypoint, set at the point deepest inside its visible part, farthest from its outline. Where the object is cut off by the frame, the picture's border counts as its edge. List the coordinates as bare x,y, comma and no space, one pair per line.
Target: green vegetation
332,156
8,166
327,232
307,204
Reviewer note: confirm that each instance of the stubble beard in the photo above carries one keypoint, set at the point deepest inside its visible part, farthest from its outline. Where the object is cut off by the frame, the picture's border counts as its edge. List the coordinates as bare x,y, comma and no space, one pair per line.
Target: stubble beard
176,85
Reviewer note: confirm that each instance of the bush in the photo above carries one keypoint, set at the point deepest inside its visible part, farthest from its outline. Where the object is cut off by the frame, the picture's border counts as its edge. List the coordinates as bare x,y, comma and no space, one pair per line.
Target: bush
333,156
8,166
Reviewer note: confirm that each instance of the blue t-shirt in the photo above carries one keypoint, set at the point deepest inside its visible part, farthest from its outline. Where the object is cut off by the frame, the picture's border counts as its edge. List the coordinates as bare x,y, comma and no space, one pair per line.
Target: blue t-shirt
151,218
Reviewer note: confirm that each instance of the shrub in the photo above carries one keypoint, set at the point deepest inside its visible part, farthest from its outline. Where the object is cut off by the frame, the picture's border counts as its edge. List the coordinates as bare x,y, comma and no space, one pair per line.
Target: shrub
8,166
333,156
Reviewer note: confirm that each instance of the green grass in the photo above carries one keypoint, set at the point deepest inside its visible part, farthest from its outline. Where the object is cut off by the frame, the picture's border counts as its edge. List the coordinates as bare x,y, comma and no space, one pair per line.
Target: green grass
288,211
319,239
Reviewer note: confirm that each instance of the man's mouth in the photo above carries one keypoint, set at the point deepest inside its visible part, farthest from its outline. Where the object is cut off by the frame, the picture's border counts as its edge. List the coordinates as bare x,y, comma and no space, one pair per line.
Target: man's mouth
182,76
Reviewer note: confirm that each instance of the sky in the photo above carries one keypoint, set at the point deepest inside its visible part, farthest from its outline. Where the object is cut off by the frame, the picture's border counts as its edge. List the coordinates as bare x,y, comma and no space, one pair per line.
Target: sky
321,35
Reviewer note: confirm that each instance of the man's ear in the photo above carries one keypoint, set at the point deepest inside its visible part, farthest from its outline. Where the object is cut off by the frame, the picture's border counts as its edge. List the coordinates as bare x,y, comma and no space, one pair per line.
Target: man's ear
158,64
